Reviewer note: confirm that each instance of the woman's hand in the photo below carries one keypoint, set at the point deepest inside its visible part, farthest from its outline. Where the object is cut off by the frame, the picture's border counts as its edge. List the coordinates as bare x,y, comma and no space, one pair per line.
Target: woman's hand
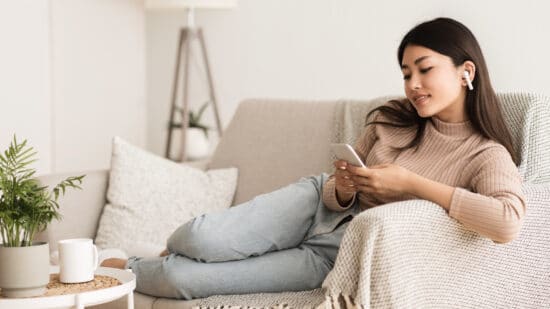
385,180
345,186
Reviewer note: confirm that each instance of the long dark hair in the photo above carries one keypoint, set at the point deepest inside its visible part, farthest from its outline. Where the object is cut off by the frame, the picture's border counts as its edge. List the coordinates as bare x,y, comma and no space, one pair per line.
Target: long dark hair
451,38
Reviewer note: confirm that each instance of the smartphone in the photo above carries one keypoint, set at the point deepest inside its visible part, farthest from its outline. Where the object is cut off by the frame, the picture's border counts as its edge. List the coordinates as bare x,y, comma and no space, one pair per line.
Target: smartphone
347,153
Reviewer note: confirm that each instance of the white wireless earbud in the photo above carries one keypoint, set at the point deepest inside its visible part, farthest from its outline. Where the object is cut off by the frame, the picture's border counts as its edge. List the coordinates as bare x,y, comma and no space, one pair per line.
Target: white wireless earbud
466,75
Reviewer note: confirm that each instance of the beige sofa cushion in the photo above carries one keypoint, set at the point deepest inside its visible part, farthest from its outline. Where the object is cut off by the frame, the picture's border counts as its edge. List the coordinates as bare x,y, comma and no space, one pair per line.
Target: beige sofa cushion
275,142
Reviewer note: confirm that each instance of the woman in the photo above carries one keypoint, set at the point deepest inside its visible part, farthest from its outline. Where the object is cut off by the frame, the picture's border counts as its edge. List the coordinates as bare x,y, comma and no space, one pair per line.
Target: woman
444,143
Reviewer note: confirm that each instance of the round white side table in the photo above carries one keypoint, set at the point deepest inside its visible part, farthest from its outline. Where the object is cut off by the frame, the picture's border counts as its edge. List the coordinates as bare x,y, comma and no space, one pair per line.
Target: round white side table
79,300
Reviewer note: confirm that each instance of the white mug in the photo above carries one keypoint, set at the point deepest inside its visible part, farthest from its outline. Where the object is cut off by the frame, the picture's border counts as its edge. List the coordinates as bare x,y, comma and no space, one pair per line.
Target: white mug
78,260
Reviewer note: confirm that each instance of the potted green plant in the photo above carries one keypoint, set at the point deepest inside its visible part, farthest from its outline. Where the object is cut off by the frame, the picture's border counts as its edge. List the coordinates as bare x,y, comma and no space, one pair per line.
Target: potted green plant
196,140
26,208
195,119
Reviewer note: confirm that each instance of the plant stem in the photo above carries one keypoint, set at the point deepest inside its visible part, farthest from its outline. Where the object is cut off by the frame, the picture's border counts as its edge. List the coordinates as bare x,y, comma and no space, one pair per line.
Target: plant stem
3,229
30,235
17,236
25,234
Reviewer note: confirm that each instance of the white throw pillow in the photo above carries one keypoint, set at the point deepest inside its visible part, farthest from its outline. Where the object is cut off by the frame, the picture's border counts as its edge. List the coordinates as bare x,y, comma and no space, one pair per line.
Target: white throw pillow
149,197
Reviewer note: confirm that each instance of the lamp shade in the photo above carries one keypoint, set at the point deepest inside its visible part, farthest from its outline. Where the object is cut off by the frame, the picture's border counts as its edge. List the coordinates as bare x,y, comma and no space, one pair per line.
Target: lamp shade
190,4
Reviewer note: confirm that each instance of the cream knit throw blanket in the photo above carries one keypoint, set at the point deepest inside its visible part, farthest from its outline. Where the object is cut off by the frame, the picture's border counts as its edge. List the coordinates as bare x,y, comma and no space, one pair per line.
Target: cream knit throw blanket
411,254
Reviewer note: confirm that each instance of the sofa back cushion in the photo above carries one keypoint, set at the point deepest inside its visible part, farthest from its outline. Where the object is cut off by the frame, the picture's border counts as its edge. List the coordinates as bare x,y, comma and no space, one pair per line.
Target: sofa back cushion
528,117
275,142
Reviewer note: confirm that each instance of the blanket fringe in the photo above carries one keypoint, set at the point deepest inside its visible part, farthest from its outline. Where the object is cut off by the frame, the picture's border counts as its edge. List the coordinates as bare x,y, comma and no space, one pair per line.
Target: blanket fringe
281,306
339,301
332,301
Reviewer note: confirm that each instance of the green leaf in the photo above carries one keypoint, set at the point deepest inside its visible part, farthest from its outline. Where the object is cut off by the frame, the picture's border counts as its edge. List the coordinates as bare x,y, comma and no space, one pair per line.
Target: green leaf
195,118
202,109
26,207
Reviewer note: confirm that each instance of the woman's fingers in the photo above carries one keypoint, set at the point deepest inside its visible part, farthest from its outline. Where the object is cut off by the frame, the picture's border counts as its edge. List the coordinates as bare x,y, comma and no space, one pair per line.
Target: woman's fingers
360,171
346,189
344,174
366,189
344,180
340,164
346,183
361,180
345,177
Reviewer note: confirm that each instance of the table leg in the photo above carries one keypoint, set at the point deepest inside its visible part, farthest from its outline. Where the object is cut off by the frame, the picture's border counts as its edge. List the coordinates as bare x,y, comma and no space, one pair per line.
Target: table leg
78,303
131,300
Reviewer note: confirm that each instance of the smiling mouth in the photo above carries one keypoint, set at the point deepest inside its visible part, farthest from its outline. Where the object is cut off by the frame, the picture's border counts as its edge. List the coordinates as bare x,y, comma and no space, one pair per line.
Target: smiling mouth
421,99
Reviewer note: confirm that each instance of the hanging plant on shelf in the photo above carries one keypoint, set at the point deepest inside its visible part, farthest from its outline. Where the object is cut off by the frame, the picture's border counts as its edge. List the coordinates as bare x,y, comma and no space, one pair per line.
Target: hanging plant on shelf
195,119
197,145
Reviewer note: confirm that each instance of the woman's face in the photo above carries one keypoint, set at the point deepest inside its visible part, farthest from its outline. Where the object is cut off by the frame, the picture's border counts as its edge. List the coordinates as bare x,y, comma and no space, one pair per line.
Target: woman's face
433,84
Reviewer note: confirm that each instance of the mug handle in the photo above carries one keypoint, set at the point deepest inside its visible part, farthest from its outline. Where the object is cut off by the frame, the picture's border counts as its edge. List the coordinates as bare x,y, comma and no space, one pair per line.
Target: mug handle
96,258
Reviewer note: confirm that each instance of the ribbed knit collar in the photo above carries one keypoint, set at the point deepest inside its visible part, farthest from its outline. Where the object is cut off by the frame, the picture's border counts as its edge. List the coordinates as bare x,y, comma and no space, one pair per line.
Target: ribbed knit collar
453,129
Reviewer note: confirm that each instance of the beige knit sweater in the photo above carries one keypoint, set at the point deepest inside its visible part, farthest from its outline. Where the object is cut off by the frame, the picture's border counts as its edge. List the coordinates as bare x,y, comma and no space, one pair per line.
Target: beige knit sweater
487,198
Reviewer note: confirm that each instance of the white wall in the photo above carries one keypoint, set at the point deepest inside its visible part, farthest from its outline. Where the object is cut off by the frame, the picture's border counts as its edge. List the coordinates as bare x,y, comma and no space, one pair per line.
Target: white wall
72,75
25,83
98,79
329,49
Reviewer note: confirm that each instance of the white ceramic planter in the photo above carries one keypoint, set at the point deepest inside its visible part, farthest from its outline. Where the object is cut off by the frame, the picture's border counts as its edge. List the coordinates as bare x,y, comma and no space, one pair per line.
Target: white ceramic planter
24,271
197,145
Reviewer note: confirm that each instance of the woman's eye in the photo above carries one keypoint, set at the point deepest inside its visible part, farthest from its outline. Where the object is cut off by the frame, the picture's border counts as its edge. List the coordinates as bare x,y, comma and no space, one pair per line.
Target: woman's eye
406,77
425,70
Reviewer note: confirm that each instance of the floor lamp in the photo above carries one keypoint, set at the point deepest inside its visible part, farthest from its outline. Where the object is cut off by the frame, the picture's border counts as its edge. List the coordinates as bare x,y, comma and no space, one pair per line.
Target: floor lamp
187,35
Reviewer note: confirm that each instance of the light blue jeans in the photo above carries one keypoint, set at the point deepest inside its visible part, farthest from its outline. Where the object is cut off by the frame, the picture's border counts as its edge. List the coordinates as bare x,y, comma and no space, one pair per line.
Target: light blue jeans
286,240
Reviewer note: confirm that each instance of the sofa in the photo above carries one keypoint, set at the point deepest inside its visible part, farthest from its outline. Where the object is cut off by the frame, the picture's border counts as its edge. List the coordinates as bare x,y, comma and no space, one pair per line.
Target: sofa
408,254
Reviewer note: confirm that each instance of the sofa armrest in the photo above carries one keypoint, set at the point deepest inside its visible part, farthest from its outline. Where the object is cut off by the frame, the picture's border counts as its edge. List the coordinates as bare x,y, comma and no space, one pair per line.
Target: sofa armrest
80,209
411,254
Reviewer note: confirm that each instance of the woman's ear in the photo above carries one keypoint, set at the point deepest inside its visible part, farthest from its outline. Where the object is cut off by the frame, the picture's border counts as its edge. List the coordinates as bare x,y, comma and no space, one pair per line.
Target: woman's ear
469,67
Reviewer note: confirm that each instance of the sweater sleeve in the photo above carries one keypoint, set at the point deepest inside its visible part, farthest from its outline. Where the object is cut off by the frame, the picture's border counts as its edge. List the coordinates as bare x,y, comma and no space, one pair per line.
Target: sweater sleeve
496,206
363,144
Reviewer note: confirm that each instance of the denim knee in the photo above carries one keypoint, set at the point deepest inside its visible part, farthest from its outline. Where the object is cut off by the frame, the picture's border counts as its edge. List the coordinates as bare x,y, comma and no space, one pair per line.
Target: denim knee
193,243
154,278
